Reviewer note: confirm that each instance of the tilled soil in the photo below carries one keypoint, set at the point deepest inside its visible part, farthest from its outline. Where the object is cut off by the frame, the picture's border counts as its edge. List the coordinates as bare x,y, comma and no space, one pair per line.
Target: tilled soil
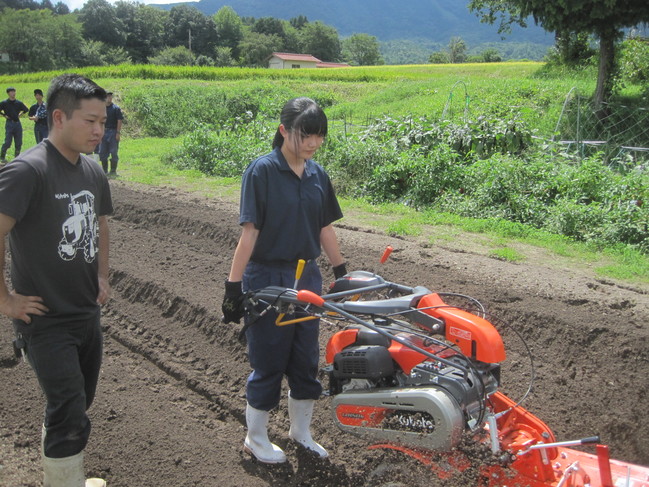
170,405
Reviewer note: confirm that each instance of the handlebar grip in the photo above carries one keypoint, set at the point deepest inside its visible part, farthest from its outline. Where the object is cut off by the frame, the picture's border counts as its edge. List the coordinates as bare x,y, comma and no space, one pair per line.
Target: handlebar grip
310,297
590,439
386,254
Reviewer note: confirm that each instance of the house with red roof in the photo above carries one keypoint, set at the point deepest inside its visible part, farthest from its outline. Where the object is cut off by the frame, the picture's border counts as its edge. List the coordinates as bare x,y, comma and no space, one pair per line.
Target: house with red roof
287,60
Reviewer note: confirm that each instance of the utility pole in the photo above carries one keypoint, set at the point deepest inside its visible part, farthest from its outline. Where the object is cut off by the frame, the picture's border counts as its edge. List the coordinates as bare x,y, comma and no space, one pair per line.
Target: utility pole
190,39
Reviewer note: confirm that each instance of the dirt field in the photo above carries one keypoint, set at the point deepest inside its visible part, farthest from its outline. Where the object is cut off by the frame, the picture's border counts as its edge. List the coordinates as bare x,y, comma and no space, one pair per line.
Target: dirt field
170,406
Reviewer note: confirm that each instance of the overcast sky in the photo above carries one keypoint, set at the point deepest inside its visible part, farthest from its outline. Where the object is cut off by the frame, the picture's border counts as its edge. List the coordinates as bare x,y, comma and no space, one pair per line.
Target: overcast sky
74,4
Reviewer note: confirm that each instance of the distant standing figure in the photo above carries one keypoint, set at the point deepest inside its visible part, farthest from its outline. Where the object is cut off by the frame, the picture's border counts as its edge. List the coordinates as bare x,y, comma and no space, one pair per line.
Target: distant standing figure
110,142
12,109
38,114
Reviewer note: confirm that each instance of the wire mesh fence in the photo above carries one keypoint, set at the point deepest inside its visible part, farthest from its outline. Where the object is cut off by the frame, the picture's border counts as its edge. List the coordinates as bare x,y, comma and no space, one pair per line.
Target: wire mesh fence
621,132
618,130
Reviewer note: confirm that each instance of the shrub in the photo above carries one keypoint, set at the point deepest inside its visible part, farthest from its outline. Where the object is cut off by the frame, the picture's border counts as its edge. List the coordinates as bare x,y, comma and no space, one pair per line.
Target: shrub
634,61
173,56
351,163
170,112
223,153
418,178
481,137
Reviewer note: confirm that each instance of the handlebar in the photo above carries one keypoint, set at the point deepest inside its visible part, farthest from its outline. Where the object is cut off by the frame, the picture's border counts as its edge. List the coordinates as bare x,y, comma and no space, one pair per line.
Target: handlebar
276,296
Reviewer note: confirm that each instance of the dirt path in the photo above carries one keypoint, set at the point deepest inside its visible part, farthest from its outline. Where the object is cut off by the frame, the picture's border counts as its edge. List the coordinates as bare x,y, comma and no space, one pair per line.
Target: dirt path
169,410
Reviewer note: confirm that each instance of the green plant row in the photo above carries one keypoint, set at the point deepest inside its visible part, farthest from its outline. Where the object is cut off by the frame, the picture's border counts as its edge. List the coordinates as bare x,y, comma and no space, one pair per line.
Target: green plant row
483,169
163,110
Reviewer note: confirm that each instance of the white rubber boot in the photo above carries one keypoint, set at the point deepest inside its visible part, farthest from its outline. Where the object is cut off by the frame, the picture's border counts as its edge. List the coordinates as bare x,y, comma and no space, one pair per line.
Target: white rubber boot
95,483
65,472
301,412
257,442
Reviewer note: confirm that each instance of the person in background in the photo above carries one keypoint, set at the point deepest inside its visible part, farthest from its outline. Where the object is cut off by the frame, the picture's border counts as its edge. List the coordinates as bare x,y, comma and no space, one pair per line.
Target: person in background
112,135
38,114
54,203
11,109
287,209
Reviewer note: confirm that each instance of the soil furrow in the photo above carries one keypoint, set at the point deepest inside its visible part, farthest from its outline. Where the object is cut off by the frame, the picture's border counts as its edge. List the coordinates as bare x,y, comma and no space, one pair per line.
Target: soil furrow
169,409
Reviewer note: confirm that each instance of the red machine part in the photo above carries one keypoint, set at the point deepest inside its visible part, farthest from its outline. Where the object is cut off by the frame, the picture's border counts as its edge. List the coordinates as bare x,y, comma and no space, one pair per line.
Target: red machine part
474,336
518,429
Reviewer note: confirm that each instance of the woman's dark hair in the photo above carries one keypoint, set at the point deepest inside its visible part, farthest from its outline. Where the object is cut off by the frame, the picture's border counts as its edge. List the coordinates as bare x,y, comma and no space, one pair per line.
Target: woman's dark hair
301,115
66,92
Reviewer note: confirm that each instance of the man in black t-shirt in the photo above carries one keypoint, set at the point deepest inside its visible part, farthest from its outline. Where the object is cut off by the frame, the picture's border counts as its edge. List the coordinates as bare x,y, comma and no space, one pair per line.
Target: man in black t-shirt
12,109
54,203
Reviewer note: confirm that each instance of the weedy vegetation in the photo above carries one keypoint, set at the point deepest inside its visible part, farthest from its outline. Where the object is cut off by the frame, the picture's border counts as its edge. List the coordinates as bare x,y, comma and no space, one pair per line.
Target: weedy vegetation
477,148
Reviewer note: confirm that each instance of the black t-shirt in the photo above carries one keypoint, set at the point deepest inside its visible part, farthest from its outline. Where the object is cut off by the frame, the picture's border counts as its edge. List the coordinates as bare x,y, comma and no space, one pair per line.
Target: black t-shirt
55,242
13,109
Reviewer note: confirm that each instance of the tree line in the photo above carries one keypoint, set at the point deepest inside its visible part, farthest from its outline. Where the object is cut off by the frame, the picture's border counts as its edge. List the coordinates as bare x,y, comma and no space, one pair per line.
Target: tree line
52,37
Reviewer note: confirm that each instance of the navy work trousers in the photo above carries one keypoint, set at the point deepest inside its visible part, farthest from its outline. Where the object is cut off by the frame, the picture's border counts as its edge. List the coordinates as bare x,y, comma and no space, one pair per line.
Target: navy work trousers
13,131
275,351
40,132
66,358
109,147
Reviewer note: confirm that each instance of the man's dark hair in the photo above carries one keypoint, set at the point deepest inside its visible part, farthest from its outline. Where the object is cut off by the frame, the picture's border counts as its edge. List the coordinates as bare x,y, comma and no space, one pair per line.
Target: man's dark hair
66,92
38,91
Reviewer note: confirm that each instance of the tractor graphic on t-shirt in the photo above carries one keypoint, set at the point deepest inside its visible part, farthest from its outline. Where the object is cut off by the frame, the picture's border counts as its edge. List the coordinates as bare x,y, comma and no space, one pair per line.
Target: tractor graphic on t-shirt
80,230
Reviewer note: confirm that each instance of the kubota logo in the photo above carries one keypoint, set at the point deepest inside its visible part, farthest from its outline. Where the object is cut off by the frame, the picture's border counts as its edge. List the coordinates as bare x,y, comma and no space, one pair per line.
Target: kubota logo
419,424
404,421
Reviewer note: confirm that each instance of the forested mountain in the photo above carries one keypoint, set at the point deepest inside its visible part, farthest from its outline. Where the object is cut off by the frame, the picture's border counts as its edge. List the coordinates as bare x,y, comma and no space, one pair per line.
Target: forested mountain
433,20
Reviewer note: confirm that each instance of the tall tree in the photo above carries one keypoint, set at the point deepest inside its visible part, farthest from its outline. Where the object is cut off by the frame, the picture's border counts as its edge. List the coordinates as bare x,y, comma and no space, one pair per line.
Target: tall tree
603,18
144,26
53,42
457,50
61,9
269,26
100,23
362,50
292,39
299,21
321,40
187,26
256,48
229,29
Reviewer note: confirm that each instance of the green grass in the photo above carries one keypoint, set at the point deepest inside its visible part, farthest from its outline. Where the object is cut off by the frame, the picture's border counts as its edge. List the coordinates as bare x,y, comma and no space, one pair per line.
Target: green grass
500,239
141,162
367,92
507,253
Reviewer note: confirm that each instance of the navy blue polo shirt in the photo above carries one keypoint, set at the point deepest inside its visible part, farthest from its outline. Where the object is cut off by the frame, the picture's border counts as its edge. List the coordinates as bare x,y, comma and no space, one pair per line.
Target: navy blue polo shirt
113,114
289,212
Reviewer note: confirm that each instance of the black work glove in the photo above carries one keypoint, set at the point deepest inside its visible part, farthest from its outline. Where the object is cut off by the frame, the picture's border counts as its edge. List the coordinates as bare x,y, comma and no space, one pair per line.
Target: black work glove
340,271
232,306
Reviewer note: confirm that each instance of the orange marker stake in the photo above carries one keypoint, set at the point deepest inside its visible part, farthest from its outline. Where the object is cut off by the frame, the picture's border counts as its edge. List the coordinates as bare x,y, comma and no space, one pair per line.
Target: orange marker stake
386,254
